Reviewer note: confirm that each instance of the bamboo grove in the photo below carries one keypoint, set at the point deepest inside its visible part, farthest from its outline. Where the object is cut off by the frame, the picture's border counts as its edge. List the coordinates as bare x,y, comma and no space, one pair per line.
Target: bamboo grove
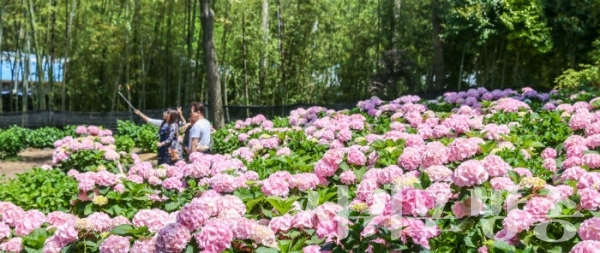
274,52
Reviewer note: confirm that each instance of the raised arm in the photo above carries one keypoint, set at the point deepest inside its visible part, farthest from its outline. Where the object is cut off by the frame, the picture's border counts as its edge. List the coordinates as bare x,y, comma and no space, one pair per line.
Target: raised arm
148,120
181,115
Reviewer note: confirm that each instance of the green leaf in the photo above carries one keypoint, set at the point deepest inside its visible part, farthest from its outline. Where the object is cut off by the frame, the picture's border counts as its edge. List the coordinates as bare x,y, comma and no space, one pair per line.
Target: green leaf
252,203
536,144
514,176
266,250
425,181
504,246
171,206
124,229
344,166
88,208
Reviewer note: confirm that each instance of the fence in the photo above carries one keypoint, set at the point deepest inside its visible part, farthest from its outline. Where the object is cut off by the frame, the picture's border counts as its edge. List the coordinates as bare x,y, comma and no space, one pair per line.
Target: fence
37,119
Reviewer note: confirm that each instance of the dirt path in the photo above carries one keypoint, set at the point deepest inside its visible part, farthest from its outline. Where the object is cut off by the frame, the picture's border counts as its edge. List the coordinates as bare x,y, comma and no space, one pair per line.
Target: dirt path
31,158
28,159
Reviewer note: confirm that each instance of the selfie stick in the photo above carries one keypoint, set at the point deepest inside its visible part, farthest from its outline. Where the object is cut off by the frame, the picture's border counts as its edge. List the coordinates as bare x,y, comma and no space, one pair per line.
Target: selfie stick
132,108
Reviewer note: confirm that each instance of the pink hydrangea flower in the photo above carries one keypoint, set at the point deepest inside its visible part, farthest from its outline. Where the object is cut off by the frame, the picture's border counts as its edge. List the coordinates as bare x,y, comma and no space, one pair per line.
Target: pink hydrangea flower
32,220
435,153
356,157
144,246
304,220
503,183
518,220
172,238
413,201
348,177
586,247
223,183
66,234
495,166
549,153
418,232
441,191
590,229
101,221
379,203
214,237
538,207
154,219
461,149
410,158
4,231
275,187
231,202
470,173
589,180
281,223
550,165
386,175
193,216
590,199
14,245
439,173
115,244
304,181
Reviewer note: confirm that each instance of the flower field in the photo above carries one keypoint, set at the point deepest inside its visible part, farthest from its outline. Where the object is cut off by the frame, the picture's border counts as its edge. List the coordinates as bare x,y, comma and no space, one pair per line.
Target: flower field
474,171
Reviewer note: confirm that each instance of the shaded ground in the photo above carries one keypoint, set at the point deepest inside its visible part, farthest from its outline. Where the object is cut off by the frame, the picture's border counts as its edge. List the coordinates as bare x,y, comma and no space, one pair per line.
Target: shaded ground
32,157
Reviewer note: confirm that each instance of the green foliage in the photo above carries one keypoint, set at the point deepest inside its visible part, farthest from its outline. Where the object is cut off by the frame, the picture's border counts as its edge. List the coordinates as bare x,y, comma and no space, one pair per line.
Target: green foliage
526,25
15,139
224,142
587,76
440,107
547,127
124,143
45,190
144,136
281,122
355,242
12,141
87,160
44,137
126,204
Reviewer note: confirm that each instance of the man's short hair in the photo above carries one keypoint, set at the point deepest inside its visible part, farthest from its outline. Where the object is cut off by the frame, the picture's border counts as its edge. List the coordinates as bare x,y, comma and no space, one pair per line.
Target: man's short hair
198,107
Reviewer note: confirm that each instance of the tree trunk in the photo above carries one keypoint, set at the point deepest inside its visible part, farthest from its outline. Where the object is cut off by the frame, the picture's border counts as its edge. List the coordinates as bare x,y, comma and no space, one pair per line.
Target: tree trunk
226,29
264,50
212,69
438,50
41,97
462,64
245,64
167,74
53,3
127,45
281,52
25,93
190,47
503,72
147,61
70,16
1,30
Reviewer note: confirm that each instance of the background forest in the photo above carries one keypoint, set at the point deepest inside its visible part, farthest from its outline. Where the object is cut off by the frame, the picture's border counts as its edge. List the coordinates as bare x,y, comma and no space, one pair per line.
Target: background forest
274,52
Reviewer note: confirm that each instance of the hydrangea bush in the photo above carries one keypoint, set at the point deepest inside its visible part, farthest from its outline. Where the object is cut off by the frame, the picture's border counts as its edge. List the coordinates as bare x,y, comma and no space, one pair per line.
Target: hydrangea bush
472,171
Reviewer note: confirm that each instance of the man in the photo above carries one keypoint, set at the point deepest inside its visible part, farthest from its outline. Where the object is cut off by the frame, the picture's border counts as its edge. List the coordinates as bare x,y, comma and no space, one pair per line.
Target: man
198,138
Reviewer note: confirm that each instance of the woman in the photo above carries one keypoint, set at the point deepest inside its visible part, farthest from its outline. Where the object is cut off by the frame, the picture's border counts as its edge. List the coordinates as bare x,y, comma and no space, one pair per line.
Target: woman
169,148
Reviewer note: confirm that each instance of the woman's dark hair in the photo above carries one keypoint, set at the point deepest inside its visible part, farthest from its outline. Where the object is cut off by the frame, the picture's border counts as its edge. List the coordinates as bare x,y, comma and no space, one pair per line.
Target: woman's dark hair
173,116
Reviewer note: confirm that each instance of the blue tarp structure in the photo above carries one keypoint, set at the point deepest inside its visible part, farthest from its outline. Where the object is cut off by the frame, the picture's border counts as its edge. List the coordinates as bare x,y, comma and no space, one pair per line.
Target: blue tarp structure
11,70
